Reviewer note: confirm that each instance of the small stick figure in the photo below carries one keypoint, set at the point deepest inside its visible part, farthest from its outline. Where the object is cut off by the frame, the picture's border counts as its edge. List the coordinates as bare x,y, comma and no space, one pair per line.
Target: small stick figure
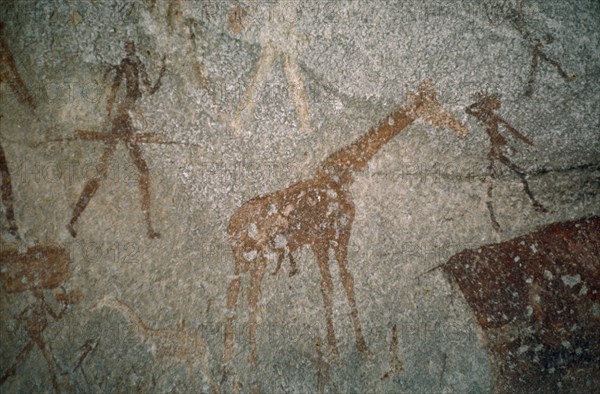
516,17
537,55
133,70
483,110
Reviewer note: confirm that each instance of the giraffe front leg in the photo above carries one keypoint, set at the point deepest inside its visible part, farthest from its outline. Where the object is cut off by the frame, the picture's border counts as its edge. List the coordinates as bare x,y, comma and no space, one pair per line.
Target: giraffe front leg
327,291
257,273
341,253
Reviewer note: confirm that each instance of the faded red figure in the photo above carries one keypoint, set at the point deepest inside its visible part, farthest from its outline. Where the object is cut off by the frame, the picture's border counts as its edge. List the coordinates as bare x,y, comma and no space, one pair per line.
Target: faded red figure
10,75
483,110
516,17
134,72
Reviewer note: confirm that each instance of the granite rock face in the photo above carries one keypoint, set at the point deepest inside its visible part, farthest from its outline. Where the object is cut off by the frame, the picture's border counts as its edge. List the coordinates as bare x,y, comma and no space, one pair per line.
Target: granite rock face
537,298
245,196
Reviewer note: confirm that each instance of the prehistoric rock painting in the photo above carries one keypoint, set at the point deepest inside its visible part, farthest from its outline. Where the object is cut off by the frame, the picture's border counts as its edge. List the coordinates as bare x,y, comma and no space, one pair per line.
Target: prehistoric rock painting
516,17
323,367
187,27
39,268
179,343
86,349
537,298
396,365
279,40
236,17
10,74
132,69
317,213
7,195
483,110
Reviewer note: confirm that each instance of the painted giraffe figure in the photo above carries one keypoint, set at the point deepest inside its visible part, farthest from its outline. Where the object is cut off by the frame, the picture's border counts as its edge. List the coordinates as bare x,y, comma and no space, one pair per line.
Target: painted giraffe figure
317,213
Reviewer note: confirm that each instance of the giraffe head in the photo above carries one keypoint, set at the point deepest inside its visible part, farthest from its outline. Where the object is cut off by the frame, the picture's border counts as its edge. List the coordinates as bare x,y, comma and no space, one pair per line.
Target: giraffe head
426,106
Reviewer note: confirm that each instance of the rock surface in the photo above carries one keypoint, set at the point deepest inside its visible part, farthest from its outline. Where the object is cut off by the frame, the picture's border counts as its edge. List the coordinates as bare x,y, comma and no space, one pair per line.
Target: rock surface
537,298
133,132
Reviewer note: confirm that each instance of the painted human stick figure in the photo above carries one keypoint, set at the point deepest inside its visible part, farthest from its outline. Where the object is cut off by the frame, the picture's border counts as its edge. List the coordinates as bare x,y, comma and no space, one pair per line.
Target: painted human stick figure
279,39
483,110
132,69
515,16
41,267
317,213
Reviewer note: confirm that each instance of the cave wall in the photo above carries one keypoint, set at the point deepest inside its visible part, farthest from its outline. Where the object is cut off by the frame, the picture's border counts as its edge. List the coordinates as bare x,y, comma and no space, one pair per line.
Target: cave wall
253,98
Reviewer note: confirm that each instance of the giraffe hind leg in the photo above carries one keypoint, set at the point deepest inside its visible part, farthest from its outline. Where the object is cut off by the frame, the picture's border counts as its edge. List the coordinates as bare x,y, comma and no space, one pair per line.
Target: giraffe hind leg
327,292
341,252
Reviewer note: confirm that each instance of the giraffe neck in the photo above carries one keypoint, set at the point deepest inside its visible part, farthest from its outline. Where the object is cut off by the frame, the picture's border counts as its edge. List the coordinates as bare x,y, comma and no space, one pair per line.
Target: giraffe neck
357,155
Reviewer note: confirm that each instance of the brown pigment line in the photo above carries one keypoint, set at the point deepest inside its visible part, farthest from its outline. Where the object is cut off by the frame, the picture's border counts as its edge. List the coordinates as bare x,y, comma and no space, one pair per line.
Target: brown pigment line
396,365
317,213
11,75
518,21
7,194
133,70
